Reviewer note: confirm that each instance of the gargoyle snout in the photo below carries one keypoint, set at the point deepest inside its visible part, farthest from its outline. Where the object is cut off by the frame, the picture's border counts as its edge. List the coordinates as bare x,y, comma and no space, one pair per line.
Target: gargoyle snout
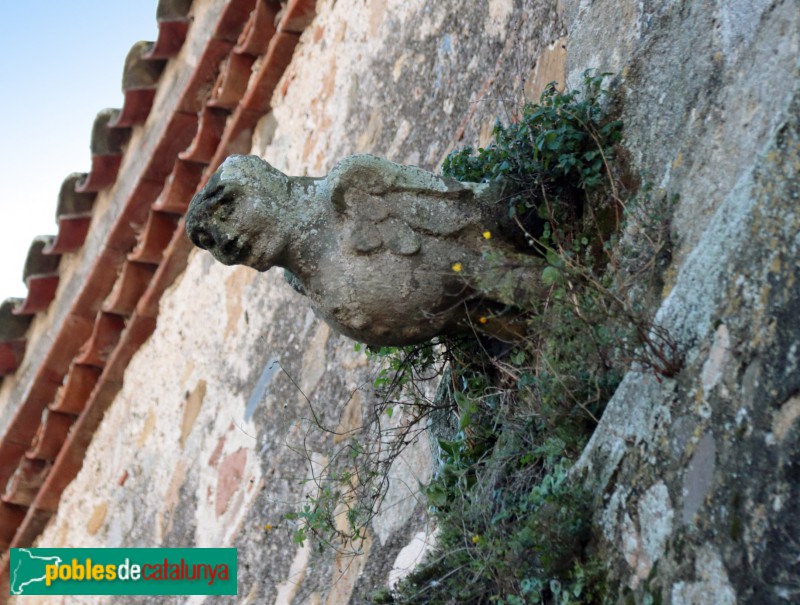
200,237
208,225
208,210
196,223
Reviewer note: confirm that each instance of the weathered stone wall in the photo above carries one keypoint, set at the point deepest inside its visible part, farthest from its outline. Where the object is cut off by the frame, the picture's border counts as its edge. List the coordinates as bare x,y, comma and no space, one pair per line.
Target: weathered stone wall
210,440
699,471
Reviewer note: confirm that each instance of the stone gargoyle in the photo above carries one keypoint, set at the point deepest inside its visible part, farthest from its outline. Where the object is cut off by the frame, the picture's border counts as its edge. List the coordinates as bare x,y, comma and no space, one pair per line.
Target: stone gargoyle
381,250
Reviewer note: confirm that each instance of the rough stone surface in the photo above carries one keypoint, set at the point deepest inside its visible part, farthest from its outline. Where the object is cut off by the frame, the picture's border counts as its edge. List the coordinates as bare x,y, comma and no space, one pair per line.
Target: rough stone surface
710,100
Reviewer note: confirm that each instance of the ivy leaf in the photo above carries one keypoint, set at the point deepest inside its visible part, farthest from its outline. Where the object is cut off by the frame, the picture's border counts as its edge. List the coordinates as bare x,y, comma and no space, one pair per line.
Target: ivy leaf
551,276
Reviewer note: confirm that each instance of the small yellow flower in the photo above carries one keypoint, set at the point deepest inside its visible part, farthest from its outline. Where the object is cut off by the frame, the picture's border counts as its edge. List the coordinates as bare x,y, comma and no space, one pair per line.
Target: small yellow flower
268,527
475,539
483,320
487,235
457,267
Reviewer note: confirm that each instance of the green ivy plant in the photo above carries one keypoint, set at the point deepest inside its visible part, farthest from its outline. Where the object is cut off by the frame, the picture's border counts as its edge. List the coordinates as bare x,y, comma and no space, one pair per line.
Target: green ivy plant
513,521
564,142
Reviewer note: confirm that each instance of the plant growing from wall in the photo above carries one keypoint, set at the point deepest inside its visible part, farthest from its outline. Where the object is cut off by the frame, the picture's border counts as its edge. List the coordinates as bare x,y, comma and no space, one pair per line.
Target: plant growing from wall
512,417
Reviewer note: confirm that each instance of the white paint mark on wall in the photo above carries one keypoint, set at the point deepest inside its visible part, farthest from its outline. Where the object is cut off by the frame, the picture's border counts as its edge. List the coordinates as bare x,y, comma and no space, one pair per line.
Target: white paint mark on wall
262,387
411,555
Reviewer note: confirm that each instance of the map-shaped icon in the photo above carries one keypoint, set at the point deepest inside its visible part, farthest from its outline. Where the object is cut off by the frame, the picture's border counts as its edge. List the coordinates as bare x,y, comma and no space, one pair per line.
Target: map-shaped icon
27,568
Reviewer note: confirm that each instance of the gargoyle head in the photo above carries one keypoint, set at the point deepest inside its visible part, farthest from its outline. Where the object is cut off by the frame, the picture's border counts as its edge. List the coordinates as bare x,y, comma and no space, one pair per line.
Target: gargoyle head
238,214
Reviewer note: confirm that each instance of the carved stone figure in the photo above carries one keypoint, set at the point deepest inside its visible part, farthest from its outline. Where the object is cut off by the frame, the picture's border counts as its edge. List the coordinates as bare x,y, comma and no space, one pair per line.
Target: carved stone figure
381,250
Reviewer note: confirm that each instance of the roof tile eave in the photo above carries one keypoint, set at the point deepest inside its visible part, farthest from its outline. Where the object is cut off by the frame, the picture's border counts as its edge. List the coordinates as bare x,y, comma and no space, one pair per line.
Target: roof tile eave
145,248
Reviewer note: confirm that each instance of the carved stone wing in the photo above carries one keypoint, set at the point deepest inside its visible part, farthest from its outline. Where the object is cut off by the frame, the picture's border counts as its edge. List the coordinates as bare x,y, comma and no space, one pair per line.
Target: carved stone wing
392,205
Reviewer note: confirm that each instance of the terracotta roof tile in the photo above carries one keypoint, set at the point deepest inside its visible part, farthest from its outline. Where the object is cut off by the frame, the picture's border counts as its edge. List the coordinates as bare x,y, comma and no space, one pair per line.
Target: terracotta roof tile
24,426
139,71
78,385
145,249
70,458
40,275
177,137
11,515
70,202
50,436
175,257
209,134
232,81
105,335
107,146
24,484
134,216
274,63
10,455
180,187
173,24
37,263
297,15
138,330
73,215
75,329
155,236
130,286
13,329
11,354
139,83
237,137
259,29
171,35
173,10
198,90
72,231
233,18
41,291
35,522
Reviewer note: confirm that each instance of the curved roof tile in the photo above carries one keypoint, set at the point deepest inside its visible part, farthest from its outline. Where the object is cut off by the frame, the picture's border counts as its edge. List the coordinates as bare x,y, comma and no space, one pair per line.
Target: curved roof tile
70,202
50,435
139,82
37,263
259,29
209,133
297,15
141,71
24,484
11,516
12,327
13,331
173,25
73,215
173,10
155,236
81,372
233,18
107,140
40,274
265,80
105,336
132,283
73,394
232,81
107,146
